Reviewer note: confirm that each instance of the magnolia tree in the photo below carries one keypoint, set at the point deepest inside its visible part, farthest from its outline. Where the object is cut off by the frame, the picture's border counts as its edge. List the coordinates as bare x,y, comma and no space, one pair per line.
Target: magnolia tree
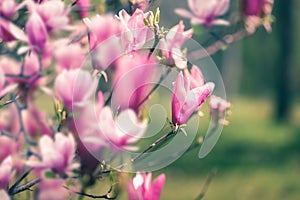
75,90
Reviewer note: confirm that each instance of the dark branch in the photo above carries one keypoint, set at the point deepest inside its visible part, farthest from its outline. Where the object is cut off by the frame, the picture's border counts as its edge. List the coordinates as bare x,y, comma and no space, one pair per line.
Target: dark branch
24,187
161,79
220,44
158,141
105,196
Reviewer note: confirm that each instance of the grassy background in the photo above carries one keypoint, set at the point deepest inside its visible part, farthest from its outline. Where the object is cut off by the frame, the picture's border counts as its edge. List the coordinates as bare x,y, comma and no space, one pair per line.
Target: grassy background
256,158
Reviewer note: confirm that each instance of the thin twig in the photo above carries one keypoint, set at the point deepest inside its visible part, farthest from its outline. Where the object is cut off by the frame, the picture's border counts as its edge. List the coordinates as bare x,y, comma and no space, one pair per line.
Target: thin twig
100,172
185,151
24,187
216,36
10,101
17,76
206,184
4,133
161,79
215,47
158,141
74,3
156,41
22,127
151,51
13,187
105,196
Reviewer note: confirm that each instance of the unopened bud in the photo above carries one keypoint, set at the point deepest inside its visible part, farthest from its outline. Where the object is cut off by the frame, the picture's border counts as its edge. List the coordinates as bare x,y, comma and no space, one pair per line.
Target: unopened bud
200,140
58,107
146,22
157,16
151,19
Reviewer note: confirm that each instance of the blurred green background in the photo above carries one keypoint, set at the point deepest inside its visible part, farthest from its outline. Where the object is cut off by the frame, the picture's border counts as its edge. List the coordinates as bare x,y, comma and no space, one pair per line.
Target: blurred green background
258,154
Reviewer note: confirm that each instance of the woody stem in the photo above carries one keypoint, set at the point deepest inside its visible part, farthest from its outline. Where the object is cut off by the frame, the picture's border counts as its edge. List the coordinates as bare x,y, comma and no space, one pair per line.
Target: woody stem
158,141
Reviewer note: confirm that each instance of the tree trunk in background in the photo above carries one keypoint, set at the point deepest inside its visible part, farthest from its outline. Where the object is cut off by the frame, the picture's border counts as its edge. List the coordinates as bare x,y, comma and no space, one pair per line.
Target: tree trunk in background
285,33
232,69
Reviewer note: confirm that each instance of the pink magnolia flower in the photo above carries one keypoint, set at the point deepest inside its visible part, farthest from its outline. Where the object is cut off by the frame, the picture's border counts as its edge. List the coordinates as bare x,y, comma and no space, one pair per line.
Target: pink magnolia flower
205,12
87,132
195,77
75,88
185,100
4,195
218,107
257,12
9,124
97,33
30,66
134,31
50,189
84,6
8,8
140,4
5,89
104,42
68,56
171,45
57,154
53,14
253,7
35,121
8,146
121,133
6,169
99,103
36,31
2,80
133,79
84,125
10,32
141,187
85,119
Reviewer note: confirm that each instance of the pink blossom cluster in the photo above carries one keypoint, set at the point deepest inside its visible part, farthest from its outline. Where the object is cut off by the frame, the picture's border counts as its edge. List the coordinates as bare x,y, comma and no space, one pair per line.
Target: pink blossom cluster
256,13
55,113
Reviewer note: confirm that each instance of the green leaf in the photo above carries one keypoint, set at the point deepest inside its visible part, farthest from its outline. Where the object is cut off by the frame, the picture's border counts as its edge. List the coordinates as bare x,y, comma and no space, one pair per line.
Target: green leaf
50,174
198,30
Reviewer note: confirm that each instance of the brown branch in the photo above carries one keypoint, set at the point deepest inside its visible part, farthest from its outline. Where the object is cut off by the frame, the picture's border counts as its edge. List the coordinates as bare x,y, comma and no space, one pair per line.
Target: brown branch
9,101
158,141
24,187
74,3
218,45
19,180
161,79
105,196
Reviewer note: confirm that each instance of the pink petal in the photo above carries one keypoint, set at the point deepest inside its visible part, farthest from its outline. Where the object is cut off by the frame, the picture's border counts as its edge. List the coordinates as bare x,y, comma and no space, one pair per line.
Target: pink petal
184,13
8,89
157,186
197,21
9,31
195,77
222,7
220,22
36,31
4,195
